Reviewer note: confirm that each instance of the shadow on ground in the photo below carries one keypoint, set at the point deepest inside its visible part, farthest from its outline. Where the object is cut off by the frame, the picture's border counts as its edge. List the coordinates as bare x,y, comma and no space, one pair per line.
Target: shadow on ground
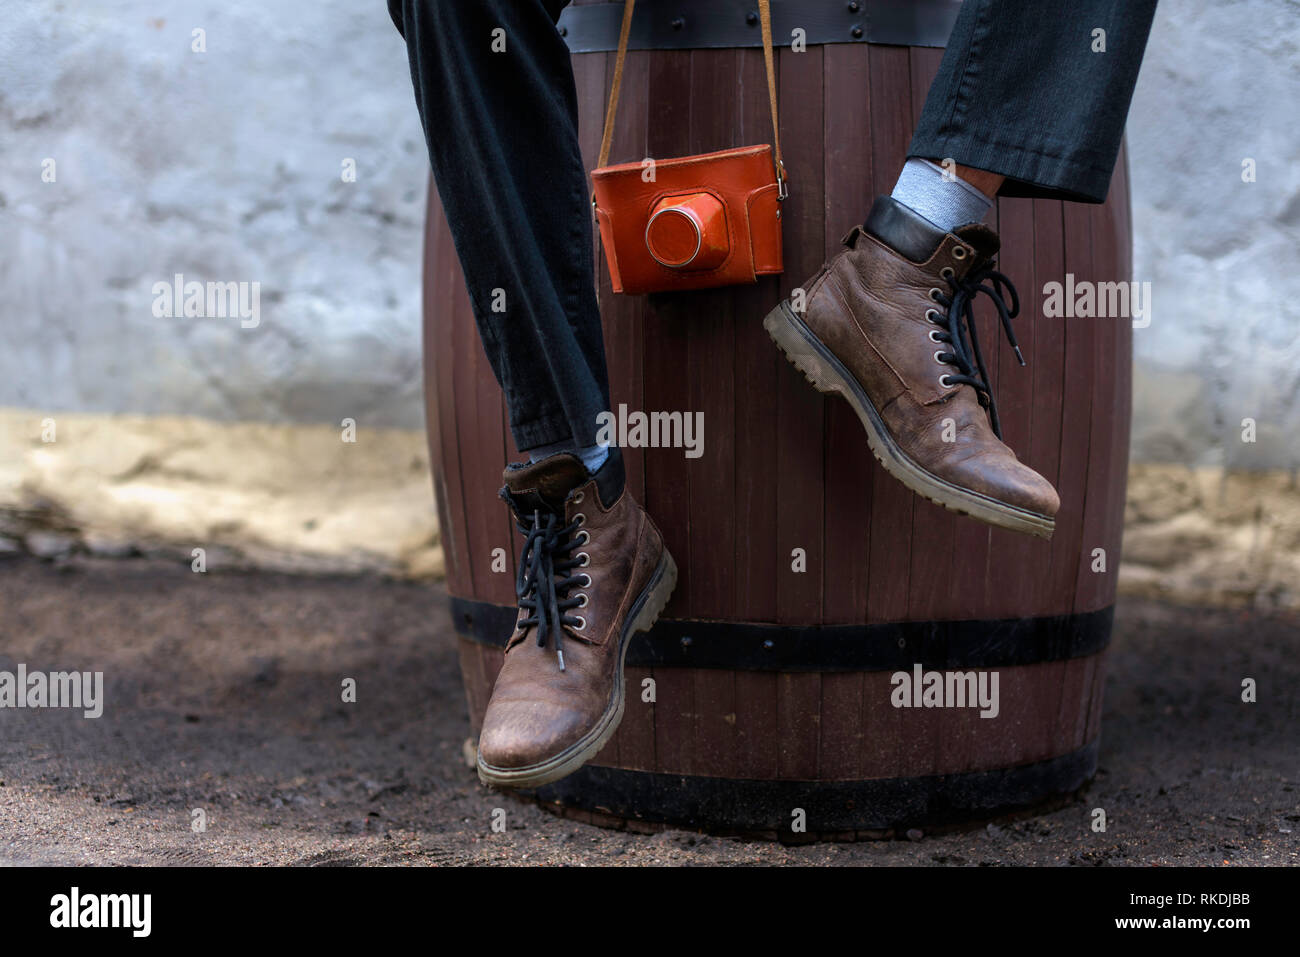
224,694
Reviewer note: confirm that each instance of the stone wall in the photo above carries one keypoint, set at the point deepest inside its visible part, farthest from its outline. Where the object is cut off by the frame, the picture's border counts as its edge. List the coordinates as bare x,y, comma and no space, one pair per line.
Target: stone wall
225,165
1220,86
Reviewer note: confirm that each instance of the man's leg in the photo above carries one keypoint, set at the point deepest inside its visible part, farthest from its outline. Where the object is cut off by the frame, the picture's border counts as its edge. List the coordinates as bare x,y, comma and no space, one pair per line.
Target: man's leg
1036,92
496,95
495,91
1030,100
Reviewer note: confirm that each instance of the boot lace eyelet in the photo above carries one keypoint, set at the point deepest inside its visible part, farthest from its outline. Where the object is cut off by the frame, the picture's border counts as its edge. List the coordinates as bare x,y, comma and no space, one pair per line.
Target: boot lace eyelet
934,333
583,603
959,252
935,293
937,354
582,626
586,559
586,583
577,499
945,381
585,537
580,518
933,315
947,271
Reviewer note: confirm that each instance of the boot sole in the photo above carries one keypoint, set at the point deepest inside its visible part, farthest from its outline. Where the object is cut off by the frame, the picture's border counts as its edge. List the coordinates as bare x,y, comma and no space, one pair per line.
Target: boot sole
827,374
645,611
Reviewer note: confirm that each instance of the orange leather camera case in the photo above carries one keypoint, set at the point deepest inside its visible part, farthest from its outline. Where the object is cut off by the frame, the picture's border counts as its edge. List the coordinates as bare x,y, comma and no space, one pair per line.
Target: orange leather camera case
740,180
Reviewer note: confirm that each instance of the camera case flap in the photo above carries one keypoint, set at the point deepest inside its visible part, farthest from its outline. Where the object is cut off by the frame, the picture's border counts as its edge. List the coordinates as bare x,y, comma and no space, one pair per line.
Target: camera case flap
690,223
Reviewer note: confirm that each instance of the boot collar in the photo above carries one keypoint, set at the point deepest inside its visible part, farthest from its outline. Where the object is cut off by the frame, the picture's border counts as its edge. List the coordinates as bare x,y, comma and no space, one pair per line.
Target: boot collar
546,485
914,237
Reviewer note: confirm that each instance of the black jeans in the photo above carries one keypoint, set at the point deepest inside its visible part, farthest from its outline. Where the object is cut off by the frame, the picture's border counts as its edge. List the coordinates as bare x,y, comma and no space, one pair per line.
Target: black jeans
1021,91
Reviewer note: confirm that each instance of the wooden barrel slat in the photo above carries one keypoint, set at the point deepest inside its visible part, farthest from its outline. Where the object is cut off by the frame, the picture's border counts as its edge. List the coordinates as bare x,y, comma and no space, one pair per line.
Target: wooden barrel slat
846,147
666,332
715,722
1115,221
756,723
1095,587
442,272
622,316
758,369
893,505
1076,411
800,410
636,734
475,447
786,468
840,741
1101,421
1109,268
711,360
957,743
499,528
1043,452
881,754
1065,725
465,444
1015,399
798,721
675,721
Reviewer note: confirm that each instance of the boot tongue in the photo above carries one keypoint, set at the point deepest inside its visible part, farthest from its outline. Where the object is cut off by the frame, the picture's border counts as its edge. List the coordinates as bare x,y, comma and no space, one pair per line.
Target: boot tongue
543,486
984,240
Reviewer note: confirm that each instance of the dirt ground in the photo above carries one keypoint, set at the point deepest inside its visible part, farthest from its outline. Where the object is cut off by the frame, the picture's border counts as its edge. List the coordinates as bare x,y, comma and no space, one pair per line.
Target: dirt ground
223,694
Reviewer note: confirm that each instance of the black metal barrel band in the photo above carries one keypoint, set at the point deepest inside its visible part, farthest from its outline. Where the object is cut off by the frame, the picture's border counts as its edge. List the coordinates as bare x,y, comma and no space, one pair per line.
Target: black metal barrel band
705,24
887,803
893,646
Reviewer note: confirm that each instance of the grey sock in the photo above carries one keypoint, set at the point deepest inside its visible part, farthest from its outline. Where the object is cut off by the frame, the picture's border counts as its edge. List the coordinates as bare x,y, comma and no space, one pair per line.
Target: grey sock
947,203
593,456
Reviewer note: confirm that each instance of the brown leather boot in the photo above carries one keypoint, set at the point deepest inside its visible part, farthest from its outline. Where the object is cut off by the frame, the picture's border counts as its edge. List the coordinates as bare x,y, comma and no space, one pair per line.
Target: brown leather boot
593,572
888,324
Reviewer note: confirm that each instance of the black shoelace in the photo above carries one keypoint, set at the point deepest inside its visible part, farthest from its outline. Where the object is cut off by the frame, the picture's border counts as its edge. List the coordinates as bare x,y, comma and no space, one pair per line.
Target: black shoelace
543,583
961,320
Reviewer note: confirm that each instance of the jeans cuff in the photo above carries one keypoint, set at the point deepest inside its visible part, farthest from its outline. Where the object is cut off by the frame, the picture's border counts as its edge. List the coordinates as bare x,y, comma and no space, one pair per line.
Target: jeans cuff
541,430
1029,173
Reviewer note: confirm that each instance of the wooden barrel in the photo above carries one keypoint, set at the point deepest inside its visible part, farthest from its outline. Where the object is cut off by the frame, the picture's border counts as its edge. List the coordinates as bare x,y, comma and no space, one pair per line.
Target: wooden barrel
809,577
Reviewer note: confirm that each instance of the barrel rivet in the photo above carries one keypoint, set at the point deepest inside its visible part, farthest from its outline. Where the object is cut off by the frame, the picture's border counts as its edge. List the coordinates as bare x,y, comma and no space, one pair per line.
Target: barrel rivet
857,33
768,644
853,6
751,18
686,641
678,23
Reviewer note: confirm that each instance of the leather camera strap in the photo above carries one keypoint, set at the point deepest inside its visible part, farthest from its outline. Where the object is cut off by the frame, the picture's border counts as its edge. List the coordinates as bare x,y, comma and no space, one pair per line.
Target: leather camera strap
765,21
